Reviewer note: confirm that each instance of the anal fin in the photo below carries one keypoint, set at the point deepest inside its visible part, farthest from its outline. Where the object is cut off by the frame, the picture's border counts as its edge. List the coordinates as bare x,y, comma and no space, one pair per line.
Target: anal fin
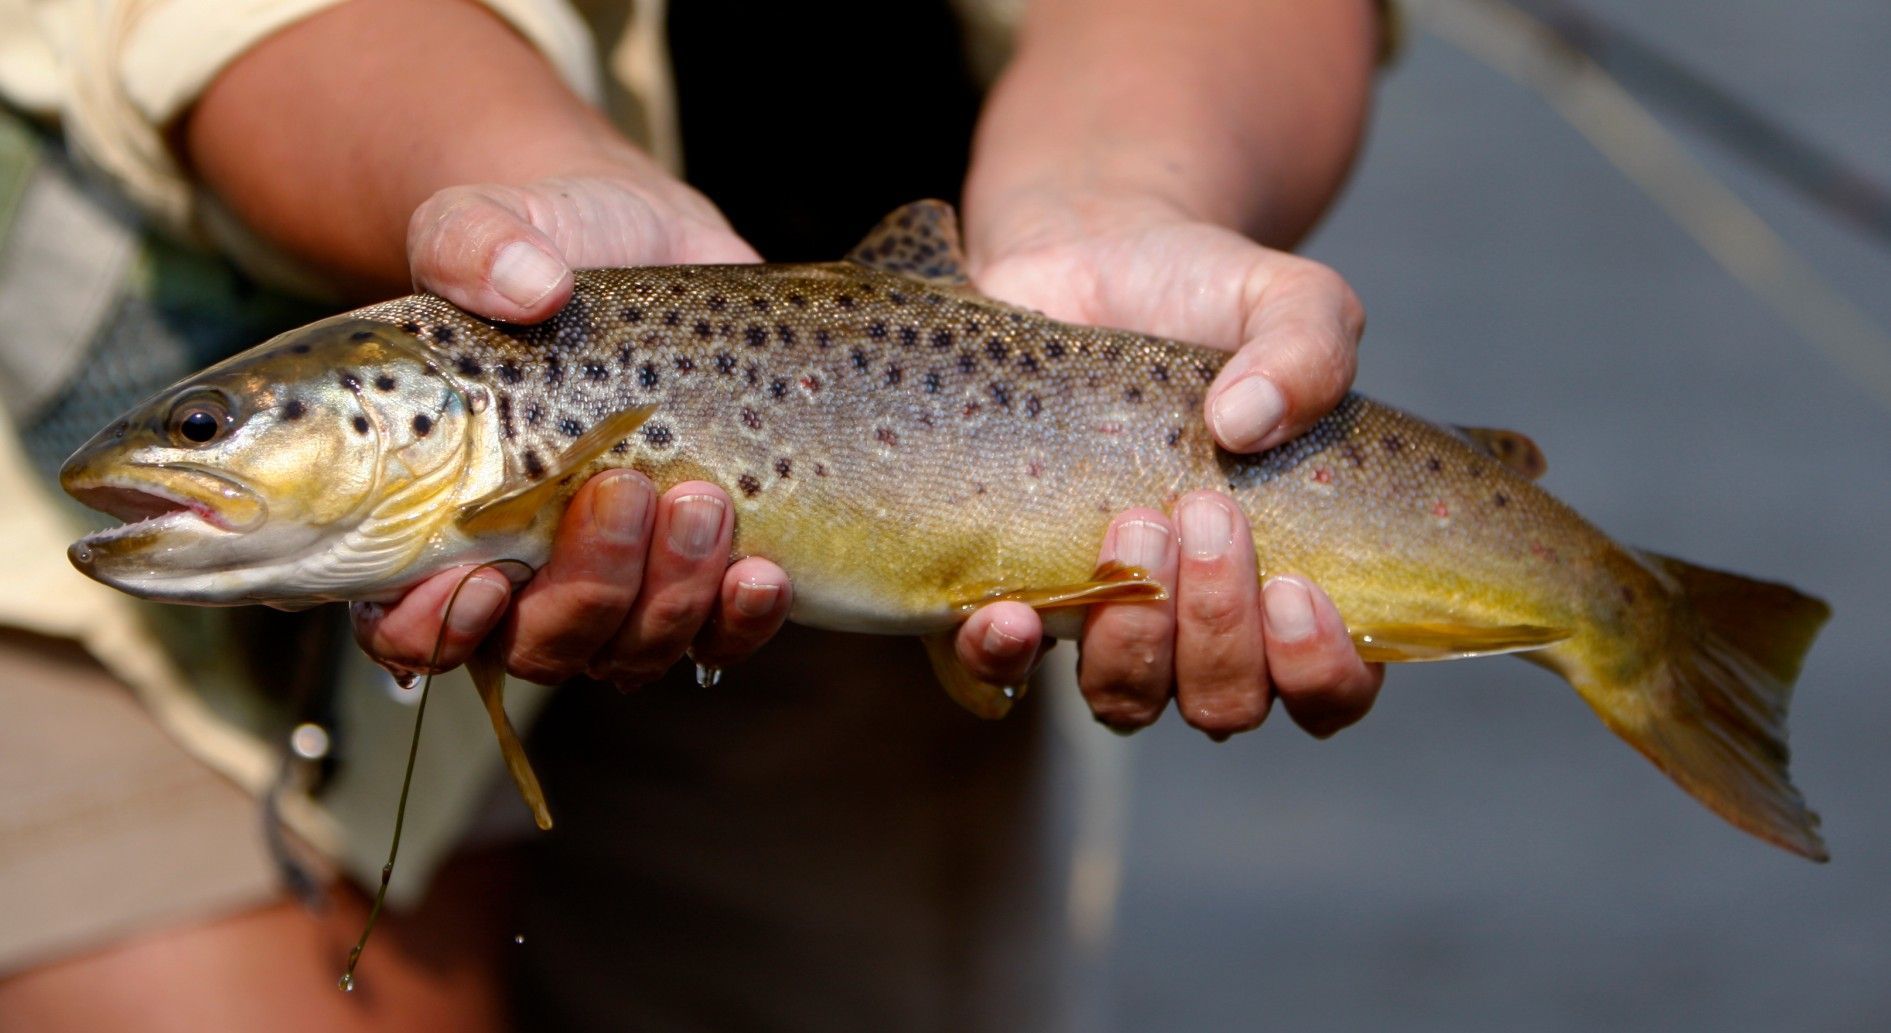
1442,640
487,665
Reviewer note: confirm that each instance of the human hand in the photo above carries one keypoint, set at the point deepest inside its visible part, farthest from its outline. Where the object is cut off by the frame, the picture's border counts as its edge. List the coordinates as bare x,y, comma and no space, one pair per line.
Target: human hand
1223,645
634,579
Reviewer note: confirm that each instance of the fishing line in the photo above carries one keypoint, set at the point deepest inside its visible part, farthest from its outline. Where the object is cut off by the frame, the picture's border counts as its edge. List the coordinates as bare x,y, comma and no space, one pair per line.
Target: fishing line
347,980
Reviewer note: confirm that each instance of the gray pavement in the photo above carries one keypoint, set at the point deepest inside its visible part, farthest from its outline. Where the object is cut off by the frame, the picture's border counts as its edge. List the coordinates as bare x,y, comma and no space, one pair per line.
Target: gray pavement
1480,854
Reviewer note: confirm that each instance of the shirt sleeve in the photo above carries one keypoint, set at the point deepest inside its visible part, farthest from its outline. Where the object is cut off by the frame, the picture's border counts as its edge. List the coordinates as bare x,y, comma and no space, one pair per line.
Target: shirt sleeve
133,66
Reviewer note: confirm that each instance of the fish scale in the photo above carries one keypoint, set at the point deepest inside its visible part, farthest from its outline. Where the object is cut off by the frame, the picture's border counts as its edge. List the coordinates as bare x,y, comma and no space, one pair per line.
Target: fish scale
908,450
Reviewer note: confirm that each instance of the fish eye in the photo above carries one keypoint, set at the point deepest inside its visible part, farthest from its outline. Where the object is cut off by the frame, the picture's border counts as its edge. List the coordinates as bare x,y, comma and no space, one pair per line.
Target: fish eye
198,420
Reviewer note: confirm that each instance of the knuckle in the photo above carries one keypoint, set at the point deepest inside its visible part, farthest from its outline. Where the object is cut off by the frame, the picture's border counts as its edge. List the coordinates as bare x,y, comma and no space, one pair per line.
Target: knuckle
543,666
1214,614
675,616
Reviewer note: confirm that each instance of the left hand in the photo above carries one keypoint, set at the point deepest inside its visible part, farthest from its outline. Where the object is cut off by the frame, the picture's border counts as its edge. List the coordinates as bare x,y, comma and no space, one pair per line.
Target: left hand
1223,645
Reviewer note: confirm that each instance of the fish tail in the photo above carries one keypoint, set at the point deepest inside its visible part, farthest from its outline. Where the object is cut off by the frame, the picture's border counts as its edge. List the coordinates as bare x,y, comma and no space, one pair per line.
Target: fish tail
1711,711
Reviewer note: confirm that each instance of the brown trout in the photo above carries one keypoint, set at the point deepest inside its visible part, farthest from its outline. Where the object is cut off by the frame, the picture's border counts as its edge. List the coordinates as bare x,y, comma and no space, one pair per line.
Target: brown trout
908,450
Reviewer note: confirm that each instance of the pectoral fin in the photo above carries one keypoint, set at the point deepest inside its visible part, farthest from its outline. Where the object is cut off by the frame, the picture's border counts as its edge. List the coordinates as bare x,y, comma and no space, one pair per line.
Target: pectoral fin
518,502
487,665
1111,583
1439,640
1510,448
982,698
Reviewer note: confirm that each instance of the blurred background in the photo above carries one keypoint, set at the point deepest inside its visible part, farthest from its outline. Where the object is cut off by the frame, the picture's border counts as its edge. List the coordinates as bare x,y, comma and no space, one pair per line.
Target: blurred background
1480,854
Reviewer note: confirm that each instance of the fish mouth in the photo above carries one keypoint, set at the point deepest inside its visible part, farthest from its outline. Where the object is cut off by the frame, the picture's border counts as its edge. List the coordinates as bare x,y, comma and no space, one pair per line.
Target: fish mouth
146,507
169,512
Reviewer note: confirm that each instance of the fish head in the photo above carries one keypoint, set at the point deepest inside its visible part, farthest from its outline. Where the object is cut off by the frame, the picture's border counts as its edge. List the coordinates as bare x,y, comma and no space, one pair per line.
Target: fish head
313,467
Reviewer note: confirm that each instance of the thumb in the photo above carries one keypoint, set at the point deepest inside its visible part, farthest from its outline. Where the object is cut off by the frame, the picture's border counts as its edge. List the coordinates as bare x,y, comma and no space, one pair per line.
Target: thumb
475,247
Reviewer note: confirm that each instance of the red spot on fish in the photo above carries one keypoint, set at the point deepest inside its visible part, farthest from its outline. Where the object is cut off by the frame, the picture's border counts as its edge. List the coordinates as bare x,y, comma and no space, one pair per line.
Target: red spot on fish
820,469
1110,427
1034,469
887,437
1440,510
811,384
1322,476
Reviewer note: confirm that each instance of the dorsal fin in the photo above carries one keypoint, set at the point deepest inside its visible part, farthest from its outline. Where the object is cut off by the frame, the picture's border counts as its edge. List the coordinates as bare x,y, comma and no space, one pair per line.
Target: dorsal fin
1510,448
920,240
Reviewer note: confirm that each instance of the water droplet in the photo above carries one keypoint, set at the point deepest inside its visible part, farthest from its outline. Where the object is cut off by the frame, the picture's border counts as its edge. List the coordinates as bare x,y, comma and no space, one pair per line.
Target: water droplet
518,938
708,677
406,680
309,741
346,982
1009,691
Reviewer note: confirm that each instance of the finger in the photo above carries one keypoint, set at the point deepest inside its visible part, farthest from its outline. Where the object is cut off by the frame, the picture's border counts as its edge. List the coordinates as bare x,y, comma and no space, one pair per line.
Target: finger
477,248
689,550
1128,661
1299,354
1310,657
1220,664
408,633
1001,643
580,599
756,597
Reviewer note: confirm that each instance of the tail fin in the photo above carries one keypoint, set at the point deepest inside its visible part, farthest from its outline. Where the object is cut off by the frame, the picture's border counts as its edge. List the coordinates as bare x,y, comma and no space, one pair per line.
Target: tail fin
1712,712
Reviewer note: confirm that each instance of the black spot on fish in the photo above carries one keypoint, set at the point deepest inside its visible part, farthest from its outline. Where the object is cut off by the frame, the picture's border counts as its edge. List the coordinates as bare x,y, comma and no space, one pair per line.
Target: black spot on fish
411,327
303,348
467,365
967,362
844,300
350,381
860,359
1032,406
798,300
422,425
702,328
384,382
647,374
896,297
784,333
443,334
293,409
1160,373
933,382
658,434
554,371
1054,349
533,414
942,338
505,417
1132,394
509,373
1174,438
725,363
909,336
997,349
534,466
749,485
751,375
1205,371
1434,464
358,336
684,364
633,314
1027,362
893,374
751,419
877,329
756,336
759,304
672,317
361,425
1501,500
783,467
1392,442
570,428
717,302
823,338
1001,394
596,372
777,388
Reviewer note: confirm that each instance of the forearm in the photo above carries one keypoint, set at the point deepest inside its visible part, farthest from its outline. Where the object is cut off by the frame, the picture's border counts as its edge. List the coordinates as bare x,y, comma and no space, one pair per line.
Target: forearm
1243,114
325,137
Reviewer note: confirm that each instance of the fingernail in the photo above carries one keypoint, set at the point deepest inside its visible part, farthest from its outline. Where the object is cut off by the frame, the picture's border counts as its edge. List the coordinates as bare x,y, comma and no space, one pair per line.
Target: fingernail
695,524
1247,412
476,606
618,505
524,274
1000,643
1143,543
755,600
1207,529
1288,610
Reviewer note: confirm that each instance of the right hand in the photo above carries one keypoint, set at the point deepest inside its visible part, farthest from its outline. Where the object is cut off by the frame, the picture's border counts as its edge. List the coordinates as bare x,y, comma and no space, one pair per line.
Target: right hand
635,580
